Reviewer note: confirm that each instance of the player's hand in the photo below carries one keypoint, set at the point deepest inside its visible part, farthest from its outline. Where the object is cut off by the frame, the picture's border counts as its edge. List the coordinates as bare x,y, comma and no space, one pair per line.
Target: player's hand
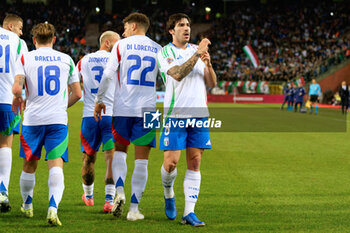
18,104
98,109
205,57
203,46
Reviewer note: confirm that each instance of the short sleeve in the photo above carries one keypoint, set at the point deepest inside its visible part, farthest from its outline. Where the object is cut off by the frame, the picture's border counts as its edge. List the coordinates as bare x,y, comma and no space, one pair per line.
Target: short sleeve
73,73
166,59
20,66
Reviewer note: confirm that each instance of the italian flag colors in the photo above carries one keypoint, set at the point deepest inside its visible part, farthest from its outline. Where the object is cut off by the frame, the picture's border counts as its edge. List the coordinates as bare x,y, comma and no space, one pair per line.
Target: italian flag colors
300,80
244,86
251,55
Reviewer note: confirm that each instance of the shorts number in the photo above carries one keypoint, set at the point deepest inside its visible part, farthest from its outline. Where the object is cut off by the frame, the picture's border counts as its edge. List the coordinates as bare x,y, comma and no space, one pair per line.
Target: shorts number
98,77
7,58
52,74
150,68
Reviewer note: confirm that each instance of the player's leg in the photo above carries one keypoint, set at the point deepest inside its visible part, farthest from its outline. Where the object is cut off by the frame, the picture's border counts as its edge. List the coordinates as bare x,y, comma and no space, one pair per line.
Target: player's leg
121,130
32,138
109,182
88,176
105,127
168,174
138,181
5,170
90,138
198,139
9,124
143,139
172,141
56,146
56,187
27,183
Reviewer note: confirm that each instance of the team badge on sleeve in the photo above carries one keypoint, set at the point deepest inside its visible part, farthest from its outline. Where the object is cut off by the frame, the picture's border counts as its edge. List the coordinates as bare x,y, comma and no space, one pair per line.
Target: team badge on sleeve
169,60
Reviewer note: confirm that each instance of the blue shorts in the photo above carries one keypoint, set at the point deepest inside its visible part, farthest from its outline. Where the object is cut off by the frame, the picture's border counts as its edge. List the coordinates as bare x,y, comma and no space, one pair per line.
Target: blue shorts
178,138
9,122
53,137
93,133
130,129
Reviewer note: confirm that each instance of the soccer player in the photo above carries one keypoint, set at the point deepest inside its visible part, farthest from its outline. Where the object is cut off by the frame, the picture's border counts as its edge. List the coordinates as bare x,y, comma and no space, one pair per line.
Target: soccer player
344,95
292,92
10,49
286,93
93,133
314,95
14,23
135,58
46,73
299,97
186,70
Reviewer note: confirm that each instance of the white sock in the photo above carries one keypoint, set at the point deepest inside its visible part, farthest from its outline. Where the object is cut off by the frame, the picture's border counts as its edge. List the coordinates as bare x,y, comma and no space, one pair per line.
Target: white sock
119,169
109,192
56,187
192,184
88,190
5,168
27,183
138,182
168,179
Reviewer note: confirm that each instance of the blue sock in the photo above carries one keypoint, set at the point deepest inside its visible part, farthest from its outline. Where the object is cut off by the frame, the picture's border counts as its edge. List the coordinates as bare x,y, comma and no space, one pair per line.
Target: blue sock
316,109
311,107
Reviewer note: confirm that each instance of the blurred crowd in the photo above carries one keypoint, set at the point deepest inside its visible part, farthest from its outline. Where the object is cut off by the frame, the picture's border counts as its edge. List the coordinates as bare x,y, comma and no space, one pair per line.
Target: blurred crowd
290,40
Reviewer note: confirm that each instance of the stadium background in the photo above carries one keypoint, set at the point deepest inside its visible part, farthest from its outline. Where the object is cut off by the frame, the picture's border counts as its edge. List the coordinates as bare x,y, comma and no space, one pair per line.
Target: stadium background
294,181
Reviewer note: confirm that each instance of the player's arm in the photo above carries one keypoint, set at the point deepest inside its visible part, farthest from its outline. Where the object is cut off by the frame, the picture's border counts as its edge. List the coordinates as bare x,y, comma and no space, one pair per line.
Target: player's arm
18,102
209,73
180,72
75,93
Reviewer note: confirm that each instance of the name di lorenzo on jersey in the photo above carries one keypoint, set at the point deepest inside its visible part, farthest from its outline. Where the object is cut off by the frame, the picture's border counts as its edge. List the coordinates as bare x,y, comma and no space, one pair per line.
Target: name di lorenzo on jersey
141,47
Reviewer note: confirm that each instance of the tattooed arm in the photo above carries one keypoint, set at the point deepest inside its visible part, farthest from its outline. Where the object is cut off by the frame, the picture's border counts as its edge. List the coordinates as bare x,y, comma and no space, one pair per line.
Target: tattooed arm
180,72
18,103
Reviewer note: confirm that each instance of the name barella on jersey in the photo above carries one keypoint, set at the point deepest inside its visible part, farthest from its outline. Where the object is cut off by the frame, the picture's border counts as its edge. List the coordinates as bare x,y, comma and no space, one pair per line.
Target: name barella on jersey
47,73
10,50
135,58
187,98
91,69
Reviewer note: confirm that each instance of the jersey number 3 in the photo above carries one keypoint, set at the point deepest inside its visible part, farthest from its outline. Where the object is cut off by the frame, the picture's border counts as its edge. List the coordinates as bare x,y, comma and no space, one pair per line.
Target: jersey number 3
150,68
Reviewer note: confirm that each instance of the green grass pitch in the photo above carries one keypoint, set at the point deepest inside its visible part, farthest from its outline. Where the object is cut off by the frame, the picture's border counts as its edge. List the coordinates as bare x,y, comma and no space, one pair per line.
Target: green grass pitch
251,182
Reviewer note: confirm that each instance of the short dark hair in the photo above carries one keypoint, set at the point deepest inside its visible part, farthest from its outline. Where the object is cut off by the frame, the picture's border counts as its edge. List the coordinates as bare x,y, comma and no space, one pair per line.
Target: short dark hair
43,33
174,18
11,18
138,18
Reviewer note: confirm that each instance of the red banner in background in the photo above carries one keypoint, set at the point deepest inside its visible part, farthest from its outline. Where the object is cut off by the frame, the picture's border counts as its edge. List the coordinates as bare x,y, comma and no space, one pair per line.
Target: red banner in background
245,98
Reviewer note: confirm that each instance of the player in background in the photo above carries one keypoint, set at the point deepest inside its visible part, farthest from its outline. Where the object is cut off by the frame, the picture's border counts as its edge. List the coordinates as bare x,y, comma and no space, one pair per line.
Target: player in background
286,93
46,73
299,97
135,58
314,95
94,133
292,92
186,70
10,49
14,23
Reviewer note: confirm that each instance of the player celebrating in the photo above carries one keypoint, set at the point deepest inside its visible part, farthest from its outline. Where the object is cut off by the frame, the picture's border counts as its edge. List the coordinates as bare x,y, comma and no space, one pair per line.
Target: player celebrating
136,58
93,133
186,70
10,49
314,95
14,23
46,73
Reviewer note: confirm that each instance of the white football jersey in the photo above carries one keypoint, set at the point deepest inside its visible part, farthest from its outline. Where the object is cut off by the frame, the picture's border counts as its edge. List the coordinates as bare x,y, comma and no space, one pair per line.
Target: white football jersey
187,98
10,50
24,46
91,69
47,73
135,58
